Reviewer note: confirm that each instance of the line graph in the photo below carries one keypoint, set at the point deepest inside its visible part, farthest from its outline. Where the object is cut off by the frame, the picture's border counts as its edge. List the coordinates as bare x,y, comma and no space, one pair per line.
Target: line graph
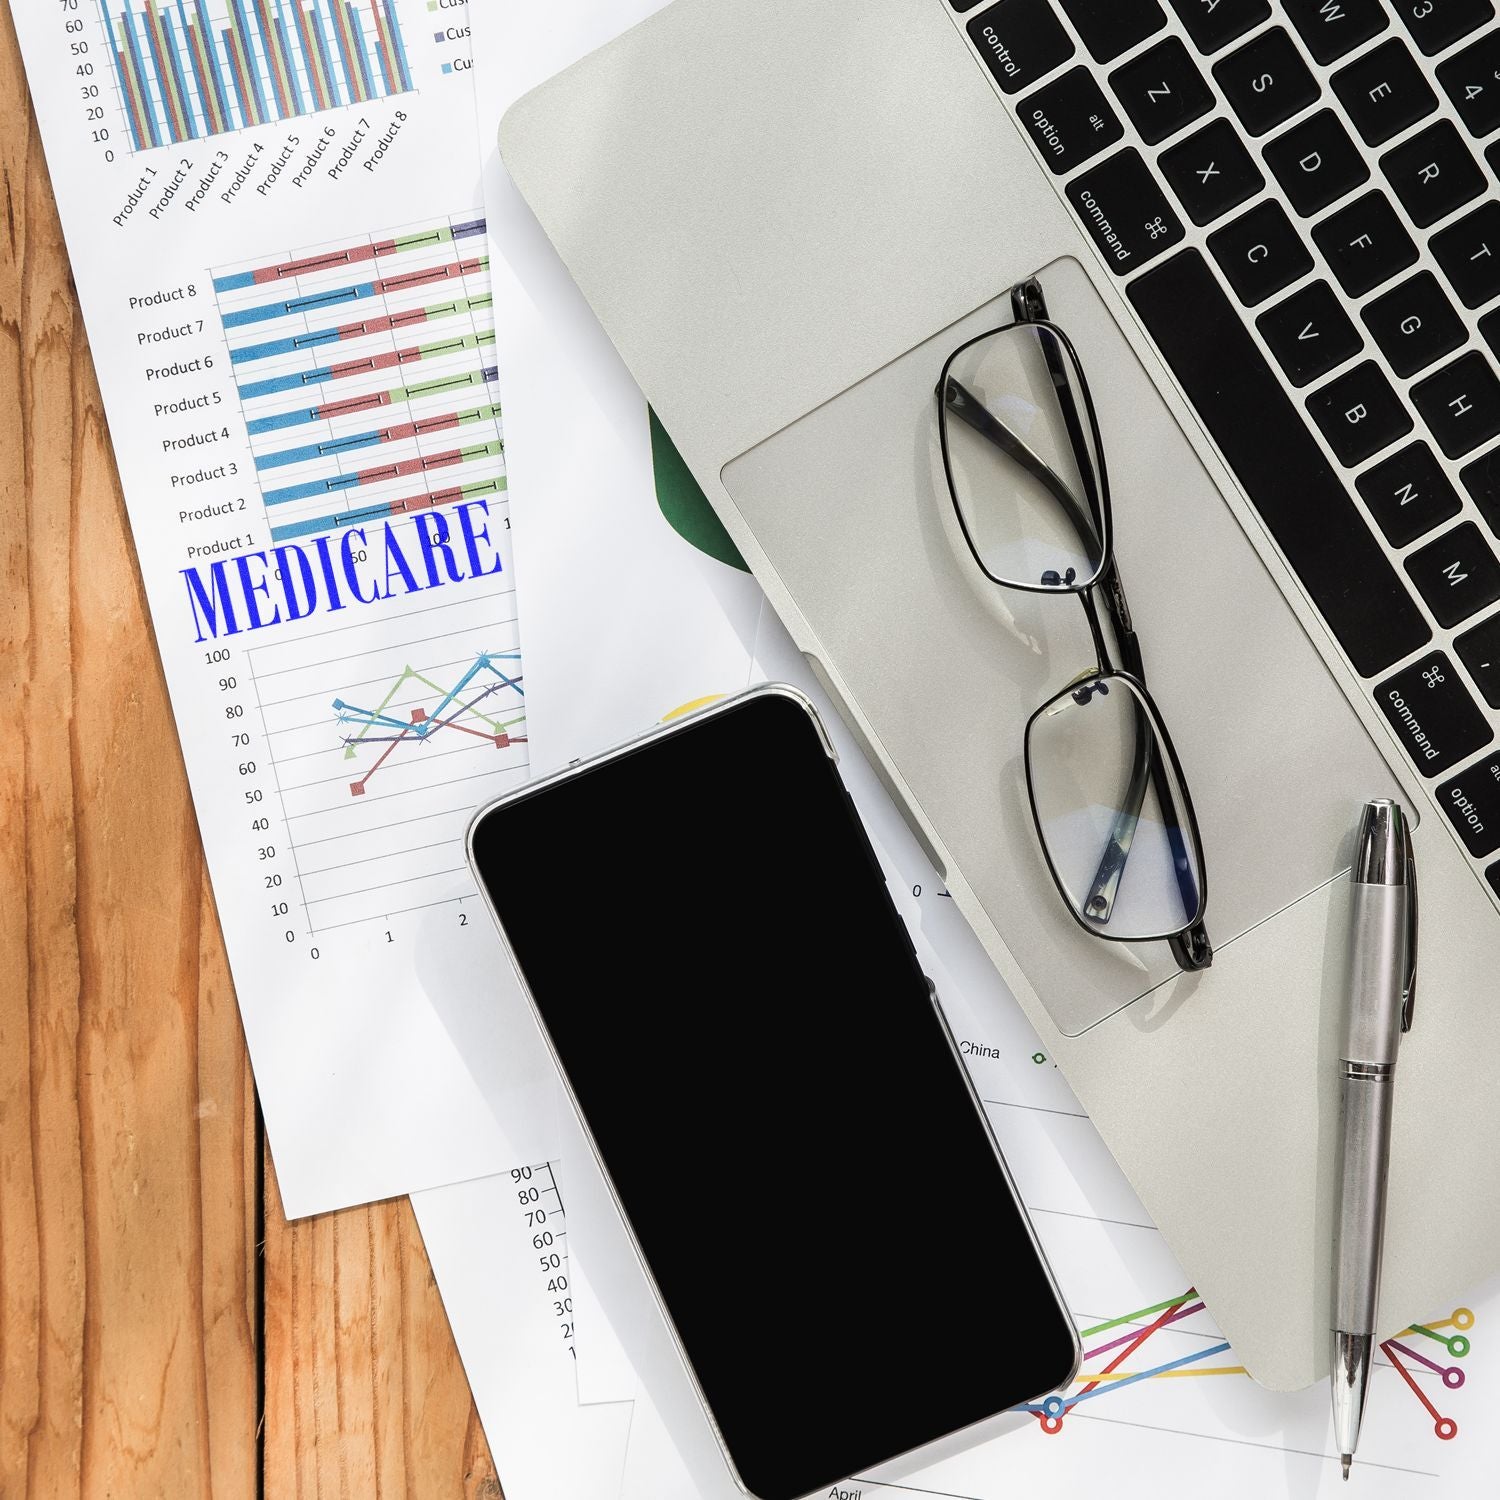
366,371
384,737
423,724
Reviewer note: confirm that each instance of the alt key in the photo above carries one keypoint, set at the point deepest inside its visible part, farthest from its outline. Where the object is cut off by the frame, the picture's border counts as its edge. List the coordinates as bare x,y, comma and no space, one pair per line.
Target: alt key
1070,120
1472,801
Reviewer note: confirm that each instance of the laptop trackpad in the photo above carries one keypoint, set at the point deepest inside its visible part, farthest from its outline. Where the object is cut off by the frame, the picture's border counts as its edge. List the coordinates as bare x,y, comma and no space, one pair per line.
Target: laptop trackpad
851,506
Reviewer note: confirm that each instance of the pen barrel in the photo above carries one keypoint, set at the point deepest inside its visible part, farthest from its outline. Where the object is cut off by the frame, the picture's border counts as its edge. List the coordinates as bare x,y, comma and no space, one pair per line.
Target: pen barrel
1377,970
1360,1242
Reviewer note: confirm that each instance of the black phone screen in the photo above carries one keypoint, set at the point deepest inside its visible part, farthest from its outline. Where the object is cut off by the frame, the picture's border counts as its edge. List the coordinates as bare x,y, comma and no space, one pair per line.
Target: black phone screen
740,1014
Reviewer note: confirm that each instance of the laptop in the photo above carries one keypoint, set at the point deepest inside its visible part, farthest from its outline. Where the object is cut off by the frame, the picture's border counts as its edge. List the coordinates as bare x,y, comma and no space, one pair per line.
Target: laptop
1271,234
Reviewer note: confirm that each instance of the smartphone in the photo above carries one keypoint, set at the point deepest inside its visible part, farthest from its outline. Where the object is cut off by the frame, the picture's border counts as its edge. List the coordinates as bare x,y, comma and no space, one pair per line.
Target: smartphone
779,1108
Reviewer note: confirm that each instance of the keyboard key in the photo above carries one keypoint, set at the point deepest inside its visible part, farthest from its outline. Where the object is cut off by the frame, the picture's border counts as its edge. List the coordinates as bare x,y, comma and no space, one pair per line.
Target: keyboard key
1481,481
1415,324
1408,494
1365,244
1071,120
1124,211
1433,715
1296,492
1479,650
1437,24
1162,90
1359,414
1260,252
1384,92
1489,326
1331,28
1493,876
1211,172
1021,41
1310,333
1433,173
1472,802
1461,404
1471,79
1110,27
1215,23
1457,574
1266,81
1316,163
1469,254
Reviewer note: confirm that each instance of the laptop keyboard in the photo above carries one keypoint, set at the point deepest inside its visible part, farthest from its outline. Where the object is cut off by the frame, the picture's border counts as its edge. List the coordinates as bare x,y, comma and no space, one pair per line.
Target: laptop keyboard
1300,200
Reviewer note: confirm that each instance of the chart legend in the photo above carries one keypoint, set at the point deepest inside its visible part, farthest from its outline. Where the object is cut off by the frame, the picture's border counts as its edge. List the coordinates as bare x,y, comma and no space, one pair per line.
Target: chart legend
190,69
366,373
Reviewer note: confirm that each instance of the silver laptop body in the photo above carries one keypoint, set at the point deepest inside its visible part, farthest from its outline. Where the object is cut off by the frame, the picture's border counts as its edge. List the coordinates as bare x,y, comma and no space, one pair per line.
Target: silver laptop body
787,213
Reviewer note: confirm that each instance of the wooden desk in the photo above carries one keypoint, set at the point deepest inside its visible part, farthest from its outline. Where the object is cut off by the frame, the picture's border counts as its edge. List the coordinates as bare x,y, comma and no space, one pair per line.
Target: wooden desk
164,1332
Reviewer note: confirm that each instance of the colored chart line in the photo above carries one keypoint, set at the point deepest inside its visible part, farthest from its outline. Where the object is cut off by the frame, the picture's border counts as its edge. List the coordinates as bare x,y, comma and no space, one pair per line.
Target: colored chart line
457,710
191,69
1051,1411
315,339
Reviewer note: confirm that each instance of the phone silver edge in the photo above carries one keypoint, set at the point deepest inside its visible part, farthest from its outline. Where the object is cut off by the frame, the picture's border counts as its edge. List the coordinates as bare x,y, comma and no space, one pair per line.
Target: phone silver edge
577,767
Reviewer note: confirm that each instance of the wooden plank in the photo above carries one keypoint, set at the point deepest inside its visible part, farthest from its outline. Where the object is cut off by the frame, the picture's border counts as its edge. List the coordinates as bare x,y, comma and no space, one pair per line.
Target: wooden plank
128,1322
365,1396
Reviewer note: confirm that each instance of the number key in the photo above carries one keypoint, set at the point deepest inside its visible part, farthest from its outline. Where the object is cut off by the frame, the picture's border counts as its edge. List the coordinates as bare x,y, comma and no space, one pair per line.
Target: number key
1439,23
1472,81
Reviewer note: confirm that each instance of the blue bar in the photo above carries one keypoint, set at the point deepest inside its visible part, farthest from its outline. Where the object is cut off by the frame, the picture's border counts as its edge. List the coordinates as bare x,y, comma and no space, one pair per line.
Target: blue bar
298,102
268,52
198,78
242,25
267,310
311,451
366,71
148,107
284,383
292,345
283,419
174,56
315,21
120,73
314,487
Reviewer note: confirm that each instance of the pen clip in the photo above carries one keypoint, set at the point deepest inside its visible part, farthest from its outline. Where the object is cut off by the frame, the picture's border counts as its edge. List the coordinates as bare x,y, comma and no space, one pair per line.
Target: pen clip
1409,984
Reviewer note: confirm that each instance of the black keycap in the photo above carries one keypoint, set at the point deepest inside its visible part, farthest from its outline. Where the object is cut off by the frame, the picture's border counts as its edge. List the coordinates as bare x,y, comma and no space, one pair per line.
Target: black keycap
1471,79
1260,252
1022,41
1162,90
1330,28
1432,713
1493,876
1316,162
1071,120
1489,326
1126,214
1415,324
1469,254
1457,574
1359,414
1266,81
1215,23
1211,172
1297,493
1479,650
1433,173
1384,92
1461,404
1472,801
1481,481
1439,23
962,5
1110,27
1365,244
1408,494
1310,333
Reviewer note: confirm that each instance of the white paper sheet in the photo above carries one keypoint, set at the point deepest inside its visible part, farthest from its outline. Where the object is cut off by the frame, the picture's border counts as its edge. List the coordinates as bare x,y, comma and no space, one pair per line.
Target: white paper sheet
274,216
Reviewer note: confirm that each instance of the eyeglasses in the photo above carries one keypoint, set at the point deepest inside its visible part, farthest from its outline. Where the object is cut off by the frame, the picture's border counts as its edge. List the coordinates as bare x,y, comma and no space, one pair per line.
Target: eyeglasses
1025,470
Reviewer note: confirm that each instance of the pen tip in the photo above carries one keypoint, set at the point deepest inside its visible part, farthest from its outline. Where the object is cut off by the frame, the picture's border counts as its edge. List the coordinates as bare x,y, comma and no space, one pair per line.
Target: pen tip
1346,1459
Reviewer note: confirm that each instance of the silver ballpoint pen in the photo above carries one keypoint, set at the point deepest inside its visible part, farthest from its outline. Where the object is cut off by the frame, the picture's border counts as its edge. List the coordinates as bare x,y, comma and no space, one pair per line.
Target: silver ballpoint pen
1382,987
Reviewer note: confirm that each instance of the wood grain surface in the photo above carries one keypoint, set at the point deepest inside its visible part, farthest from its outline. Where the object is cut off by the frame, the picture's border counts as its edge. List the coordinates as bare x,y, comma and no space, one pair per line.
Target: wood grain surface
164,1332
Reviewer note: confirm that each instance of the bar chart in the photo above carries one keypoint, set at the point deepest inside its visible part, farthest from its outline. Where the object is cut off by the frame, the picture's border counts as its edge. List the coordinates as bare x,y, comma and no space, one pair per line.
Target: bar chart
191,69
